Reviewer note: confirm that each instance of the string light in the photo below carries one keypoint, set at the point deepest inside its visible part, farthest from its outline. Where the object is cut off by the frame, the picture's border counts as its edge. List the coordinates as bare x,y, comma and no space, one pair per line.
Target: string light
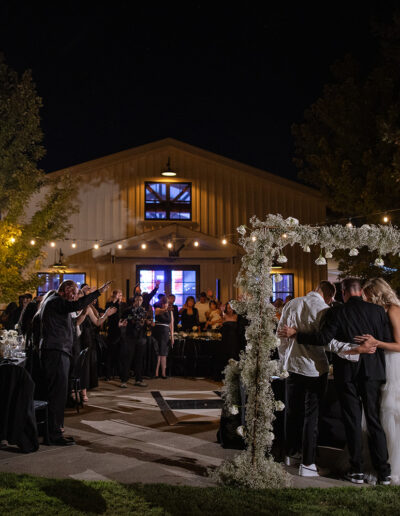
33,242
143,246
119,246
349,224
96,245
73,245
254,238
170,245
284,235
12,240
224,241
386,219
195,243
52,244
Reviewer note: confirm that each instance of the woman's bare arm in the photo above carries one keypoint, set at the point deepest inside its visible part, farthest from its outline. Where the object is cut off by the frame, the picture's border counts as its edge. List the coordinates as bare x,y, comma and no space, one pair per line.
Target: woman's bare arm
394,318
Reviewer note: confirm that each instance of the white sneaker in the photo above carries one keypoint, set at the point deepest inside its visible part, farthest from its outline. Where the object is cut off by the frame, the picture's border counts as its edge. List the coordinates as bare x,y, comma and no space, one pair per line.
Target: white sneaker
308,471
292,460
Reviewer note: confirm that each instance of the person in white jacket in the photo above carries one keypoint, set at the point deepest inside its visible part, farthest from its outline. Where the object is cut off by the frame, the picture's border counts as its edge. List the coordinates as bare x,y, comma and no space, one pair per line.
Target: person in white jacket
308,369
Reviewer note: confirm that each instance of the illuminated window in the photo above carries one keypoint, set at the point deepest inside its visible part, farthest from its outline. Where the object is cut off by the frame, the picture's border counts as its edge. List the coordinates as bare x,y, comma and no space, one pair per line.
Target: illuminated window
180,281
52,281
284,288
168,201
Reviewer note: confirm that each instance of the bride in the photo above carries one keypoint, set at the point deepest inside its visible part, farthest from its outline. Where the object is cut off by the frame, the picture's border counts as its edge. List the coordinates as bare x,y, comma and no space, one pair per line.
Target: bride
379,292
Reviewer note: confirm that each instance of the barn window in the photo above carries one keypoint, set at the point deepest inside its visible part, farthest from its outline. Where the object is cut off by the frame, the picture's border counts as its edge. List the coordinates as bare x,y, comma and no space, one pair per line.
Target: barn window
168,201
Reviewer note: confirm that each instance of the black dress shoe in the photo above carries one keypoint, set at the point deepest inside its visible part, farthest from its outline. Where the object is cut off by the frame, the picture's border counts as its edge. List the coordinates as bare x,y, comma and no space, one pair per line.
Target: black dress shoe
62,441
384,481
164,377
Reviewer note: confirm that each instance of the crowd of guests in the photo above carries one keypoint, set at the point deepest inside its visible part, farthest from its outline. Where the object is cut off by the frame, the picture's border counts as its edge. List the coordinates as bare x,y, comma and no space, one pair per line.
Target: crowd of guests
69,336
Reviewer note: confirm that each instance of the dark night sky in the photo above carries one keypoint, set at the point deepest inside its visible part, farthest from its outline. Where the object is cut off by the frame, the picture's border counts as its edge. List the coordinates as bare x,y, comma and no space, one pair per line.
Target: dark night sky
230,80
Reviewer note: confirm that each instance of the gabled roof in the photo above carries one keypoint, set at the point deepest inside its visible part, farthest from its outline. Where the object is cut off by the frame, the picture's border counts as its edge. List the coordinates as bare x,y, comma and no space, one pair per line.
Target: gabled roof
126,155
157,239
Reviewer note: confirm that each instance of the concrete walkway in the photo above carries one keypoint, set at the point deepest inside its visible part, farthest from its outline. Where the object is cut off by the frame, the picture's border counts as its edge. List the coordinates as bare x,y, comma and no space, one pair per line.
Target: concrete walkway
123,435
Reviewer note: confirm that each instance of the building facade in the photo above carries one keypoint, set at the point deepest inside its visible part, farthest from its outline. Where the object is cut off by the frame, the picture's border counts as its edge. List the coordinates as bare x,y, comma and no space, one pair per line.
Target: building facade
136,225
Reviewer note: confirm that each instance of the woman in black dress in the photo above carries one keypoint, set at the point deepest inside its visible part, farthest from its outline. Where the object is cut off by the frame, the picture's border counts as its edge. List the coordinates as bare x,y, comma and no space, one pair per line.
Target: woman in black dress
189,315
163,332
230,345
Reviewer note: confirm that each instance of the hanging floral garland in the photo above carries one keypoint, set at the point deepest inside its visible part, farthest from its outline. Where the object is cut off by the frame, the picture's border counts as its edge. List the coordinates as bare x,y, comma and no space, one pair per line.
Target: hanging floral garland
264,243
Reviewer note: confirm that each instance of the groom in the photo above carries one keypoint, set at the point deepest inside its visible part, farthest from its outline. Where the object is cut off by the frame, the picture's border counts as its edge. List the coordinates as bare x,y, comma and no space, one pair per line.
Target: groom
358,384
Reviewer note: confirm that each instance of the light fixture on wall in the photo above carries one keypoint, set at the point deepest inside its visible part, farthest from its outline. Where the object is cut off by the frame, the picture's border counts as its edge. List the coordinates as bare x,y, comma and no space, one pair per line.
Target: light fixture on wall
96,245
168,172
144,246
170,245
73,245
195,243
224,241
119,246
52,244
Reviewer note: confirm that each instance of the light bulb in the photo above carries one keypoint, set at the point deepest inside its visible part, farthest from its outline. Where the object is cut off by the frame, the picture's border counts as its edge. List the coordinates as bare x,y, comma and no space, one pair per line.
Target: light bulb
224,241
96,245
169,245
196,244
143,246
385,219
52,244
254,238
12,240
119,246
349,224
33,242
73,245
284,235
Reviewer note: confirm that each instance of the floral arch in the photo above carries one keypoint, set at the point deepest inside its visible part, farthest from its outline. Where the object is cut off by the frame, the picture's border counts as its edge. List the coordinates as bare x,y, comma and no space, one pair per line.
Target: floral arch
263,243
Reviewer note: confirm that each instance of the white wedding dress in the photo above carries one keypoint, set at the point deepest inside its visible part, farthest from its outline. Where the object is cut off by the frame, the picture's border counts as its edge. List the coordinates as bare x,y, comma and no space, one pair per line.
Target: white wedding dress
390,412
390,419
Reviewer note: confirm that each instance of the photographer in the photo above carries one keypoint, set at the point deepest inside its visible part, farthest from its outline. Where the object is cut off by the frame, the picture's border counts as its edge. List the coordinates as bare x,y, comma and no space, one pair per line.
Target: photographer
133,341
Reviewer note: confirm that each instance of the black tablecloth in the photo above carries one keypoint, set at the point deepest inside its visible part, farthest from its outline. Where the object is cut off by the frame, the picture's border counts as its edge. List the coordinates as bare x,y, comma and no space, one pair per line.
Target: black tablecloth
17,414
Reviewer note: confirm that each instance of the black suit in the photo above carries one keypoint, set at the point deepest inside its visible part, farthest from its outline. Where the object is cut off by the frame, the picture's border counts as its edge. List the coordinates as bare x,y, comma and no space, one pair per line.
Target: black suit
358,383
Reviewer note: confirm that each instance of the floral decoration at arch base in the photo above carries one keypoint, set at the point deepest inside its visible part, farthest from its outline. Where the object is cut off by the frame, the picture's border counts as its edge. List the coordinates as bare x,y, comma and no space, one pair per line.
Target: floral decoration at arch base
264,242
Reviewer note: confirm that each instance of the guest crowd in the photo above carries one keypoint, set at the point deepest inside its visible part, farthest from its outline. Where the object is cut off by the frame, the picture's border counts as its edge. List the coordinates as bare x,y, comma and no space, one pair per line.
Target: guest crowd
70,338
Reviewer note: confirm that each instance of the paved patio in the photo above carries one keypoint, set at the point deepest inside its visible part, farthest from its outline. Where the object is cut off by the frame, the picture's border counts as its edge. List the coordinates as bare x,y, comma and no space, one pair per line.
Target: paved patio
123,435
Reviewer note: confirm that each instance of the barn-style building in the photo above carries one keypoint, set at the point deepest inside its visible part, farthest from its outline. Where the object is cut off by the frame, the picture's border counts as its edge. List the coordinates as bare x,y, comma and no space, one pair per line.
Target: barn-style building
168,210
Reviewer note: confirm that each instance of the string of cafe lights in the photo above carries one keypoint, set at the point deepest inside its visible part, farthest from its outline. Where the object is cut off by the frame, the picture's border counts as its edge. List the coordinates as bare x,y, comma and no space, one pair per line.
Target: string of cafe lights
225,240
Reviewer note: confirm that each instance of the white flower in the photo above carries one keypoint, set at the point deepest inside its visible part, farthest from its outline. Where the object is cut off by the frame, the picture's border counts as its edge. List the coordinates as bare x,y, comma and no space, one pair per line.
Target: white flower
328,254
242,230
234,409
232,362
278,278
281,259
240,431
292,221
379,262
249,347
320,260
353,252
279,406
365,226
307,249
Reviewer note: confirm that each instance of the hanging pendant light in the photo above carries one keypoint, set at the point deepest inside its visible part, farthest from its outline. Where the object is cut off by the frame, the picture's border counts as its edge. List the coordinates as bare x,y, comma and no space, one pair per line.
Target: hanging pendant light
168,172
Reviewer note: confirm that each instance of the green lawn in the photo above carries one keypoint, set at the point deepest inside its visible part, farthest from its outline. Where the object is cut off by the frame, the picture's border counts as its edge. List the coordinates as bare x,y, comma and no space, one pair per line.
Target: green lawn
23,494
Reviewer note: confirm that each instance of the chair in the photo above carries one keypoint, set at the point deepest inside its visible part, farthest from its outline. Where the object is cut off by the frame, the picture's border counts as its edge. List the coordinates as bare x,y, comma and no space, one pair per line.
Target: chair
42,418
76,378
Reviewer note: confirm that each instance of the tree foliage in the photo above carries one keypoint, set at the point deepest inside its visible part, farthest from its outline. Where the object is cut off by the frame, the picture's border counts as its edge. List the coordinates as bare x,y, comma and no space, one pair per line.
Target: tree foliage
23,185
348,145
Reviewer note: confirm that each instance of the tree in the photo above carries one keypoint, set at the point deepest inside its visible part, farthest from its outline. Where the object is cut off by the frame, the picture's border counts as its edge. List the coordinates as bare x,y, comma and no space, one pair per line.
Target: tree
349,145
33,207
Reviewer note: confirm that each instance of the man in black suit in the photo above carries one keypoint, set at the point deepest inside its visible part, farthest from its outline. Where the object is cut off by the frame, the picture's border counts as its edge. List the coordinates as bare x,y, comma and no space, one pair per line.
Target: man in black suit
56,344
358,384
